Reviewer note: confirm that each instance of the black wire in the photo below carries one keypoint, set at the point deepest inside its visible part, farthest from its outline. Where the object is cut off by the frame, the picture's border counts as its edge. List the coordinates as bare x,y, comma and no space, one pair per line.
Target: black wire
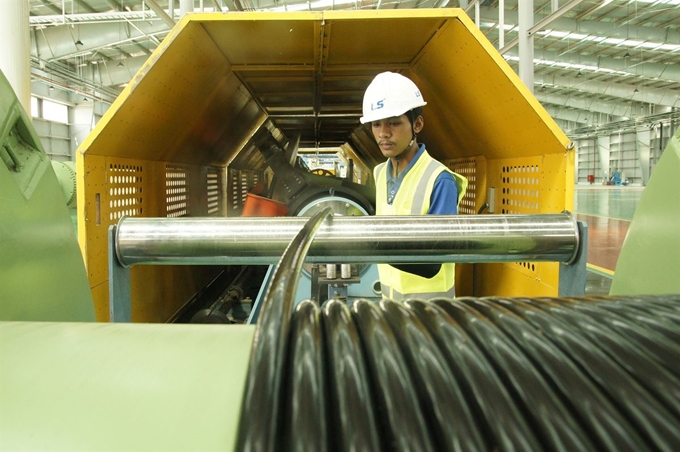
501,425
623,349
452,425
552,421
397,407
627,323
475,374
649,417
350,393
304,425
594,412
656,317
258,427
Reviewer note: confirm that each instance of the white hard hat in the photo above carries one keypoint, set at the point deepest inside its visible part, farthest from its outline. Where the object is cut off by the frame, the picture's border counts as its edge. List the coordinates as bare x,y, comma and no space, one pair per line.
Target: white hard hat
390,94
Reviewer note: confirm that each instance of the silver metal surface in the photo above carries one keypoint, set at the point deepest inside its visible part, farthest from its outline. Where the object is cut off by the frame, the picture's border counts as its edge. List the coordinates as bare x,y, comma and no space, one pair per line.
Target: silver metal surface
364,239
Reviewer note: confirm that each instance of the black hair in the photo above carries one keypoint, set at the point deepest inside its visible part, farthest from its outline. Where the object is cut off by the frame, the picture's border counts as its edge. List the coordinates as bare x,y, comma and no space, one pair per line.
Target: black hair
413,114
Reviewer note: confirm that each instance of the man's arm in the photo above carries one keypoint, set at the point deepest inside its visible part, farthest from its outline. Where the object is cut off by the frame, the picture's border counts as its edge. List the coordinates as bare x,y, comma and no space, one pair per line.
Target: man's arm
444,198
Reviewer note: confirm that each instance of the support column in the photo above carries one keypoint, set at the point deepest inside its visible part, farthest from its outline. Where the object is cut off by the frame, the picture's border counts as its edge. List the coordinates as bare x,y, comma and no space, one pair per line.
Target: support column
185,6
526,43
603,144
642,145
501,24
81,124
15,60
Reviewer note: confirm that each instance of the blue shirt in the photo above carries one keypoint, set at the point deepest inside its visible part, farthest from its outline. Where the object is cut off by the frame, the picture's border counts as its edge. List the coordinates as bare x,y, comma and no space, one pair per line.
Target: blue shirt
444,198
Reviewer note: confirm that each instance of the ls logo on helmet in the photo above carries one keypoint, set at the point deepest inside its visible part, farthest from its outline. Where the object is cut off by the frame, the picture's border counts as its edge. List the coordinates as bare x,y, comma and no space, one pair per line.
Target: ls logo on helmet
378,105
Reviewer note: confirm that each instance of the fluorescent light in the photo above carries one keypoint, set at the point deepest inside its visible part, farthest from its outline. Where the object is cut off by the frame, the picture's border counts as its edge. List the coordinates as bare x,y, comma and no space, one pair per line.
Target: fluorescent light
311,5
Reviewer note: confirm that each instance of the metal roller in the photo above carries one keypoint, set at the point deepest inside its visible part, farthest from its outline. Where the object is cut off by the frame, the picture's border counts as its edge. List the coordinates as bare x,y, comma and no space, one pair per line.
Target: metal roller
360,240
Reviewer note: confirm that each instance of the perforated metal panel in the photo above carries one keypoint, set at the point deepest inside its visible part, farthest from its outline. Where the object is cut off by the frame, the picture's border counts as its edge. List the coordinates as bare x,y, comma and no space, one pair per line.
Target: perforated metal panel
240,182
125,190
474,169
520,189
176,191
214,191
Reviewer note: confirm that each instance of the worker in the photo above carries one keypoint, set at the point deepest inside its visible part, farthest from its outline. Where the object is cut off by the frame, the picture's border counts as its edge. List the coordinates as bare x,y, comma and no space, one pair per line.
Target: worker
410,182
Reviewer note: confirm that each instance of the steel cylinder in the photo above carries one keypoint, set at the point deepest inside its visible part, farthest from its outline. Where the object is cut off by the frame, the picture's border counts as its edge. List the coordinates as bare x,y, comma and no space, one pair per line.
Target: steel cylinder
367,239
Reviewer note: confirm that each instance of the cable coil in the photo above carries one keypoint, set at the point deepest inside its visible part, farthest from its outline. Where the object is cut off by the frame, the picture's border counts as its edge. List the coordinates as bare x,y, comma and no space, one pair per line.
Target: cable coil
464,374
479,374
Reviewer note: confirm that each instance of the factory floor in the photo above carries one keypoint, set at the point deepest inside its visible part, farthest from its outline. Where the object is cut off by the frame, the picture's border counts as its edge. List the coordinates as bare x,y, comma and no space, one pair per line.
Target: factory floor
608,211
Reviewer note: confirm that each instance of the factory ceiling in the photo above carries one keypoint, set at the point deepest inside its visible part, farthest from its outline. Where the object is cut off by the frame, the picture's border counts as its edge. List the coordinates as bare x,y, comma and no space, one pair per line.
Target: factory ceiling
595,62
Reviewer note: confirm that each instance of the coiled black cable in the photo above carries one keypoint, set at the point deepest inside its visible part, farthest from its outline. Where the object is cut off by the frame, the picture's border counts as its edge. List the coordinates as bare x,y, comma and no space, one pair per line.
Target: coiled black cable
598,373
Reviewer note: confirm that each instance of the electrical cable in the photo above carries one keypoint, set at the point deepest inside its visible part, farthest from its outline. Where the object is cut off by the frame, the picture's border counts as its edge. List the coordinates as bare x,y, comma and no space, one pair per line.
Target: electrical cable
270,346
545,411
496,374
304,383
442,401
651,420
598,416
498,418
350,392
397,407
650,341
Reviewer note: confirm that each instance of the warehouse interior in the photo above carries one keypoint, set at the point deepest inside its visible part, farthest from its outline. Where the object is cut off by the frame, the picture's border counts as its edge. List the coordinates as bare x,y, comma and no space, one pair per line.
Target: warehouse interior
193,140
607,72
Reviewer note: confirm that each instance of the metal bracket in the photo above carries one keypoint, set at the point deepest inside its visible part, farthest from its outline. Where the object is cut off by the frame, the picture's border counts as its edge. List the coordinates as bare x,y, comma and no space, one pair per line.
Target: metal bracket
120,300
573,275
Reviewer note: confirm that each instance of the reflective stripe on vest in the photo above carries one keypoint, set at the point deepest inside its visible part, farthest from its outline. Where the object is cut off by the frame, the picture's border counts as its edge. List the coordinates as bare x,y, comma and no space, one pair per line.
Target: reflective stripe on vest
413,198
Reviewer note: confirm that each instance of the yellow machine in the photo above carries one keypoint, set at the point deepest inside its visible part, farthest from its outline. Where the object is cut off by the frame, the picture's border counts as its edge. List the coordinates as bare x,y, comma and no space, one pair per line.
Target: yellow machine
183,129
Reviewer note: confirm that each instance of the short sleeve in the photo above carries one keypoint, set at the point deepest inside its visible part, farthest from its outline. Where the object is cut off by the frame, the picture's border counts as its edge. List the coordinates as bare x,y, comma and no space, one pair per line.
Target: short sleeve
444,198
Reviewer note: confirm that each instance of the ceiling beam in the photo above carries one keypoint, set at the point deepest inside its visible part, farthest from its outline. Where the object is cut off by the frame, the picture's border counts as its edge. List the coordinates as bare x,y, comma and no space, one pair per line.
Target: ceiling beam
590,27
661,71
543,23
115,5
619,109
51,6
160,12
566,114
665,97
55,43
86,6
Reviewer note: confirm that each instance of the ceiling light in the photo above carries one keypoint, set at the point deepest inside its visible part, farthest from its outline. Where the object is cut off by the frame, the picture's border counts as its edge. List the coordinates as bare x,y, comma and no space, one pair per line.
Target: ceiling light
626,55
580,74
120,64
636,90
79,42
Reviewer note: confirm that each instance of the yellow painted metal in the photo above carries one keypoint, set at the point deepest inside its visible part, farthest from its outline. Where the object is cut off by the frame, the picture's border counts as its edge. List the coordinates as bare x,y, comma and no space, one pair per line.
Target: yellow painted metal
474,170
217,78
362,171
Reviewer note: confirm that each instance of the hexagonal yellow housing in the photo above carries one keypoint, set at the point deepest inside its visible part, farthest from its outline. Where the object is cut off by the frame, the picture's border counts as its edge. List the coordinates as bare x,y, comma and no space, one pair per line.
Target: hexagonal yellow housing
178,140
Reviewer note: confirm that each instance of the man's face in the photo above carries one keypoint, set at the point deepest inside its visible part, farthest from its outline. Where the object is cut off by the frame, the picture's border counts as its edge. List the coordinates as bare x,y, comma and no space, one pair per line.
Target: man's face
393,135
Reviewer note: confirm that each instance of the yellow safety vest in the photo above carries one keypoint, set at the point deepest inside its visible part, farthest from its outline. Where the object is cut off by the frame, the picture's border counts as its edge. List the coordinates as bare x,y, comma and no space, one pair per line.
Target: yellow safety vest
413,198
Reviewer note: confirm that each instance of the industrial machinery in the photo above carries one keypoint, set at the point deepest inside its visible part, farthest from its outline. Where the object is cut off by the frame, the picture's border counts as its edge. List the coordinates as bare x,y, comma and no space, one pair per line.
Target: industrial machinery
42,271
521,368
298,82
